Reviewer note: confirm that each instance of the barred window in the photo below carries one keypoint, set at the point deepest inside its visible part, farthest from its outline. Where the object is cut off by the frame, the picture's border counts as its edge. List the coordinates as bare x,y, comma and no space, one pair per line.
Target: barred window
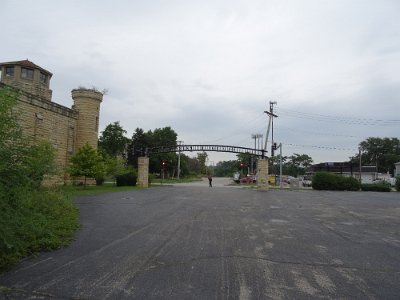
26,73
43,77
9,71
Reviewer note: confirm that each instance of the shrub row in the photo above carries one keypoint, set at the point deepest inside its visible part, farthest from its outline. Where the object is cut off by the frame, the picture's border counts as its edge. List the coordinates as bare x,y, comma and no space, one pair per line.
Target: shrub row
333,182
34,221
377,187
398,183
128,178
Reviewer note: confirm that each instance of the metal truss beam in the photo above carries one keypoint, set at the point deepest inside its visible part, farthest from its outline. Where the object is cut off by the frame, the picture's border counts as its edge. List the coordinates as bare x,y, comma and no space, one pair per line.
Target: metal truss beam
206,148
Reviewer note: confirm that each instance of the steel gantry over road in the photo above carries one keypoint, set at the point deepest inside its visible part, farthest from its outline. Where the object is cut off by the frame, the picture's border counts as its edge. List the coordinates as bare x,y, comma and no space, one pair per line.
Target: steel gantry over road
262,163
205,148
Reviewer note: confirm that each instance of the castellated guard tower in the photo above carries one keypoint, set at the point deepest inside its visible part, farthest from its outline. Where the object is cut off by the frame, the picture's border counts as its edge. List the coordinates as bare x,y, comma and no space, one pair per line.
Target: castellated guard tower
87,107
67,129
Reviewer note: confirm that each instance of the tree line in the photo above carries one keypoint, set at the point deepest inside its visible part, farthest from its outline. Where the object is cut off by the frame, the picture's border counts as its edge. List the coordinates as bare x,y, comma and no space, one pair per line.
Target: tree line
118,152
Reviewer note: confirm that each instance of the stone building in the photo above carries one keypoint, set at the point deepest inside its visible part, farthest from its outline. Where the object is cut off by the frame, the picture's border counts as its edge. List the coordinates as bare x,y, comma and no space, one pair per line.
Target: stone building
67,129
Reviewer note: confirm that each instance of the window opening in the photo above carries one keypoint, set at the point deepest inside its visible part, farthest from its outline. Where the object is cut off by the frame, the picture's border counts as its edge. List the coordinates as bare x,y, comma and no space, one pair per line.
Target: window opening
26,73
43,77
9,71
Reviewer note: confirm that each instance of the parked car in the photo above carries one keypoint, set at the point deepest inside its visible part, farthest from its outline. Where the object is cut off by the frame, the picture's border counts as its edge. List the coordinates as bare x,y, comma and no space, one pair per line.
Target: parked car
248,179
236,177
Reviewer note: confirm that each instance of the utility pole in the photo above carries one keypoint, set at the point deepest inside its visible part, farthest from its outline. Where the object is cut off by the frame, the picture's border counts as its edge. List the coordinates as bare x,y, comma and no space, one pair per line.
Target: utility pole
280,165
179,158
253,136
359,154
271,109
271,116
256,138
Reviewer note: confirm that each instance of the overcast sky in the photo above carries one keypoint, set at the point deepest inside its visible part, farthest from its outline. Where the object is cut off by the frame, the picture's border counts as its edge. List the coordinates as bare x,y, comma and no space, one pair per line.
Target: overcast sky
210,68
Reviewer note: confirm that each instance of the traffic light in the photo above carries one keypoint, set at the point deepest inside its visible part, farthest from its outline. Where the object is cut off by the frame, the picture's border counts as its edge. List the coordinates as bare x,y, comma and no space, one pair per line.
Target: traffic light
273,148
241,164
163,164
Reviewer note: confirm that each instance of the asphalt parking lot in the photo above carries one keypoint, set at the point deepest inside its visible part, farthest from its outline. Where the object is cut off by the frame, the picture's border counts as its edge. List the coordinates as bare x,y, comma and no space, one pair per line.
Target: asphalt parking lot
196,242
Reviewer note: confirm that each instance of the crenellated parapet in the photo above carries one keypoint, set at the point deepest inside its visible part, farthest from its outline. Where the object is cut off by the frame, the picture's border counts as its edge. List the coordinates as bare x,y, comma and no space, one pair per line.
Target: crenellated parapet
41,119
87,106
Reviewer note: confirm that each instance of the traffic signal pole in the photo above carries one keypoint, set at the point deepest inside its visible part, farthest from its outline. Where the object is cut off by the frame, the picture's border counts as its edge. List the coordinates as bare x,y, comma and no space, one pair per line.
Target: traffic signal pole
271,116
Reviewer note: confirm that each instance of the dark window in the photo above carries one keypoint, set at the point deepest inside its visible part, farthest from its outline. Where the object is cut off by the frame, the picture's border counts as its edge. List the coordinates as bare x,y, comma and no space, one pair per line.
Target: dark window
9,71
26,73
43,77
96,126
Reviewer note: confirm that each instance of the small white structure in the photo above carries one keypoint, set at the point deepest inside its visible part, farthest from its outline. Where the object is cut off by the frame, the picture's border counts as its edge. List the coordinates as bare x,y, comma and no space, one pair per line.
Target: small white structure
397,169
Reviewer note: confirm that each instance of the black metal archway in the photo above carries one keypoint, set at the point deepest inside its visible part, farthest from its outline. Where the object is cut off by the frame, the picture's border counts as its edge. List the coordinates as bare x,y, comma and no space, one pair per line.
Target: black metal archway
206,148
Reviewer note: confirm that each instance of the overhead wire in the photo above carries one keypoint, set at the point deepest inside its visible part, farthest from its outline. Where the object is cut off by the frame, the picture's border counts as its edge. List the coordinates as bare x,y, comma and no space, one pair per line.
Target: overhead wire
341,119
320,133
236,133
315,117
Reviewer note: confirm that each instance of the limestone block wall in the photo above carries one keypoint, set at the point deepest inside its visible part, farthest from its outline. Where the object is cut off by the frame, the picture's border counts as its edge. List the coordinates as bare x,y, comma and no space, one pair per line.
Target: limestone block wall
143,172
47,121
87,105
34,87
262,173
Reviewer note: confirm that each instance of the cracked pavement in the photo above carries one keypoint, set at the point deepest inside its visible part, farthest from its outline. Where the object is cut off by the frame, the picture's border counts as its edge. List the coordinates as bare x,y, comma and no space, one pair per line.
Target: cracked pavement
196,242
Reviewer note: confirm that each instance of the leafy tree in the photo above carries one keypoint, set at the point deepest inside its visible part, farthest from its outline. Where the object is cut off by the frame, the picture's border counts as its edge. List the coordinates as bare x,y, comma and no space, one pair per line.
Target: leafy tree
22,162
381,152
297,164
137,146
202,157
163,137
40,162
113,140
31,218
87,162
194,165
185,165
159,137
245,158
113,166
226,168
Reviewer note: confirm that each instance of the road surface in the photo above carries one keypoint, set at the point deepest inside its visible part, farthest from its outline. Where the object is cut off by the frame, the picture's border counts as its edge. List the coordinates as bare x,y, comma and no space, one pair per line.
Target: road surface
196,242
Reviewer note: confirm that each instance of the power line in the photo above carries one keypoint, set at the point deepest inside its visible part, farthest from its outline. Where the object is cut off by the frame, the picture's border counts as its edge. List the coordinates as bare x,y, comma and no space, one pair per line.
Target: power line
320,147
341,119
320,133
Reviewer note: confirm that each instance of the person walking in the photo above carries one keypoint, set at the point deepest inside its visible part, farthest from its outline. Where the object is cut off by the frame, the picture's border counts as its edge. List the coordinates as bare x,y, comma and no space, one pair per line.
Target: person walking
209,181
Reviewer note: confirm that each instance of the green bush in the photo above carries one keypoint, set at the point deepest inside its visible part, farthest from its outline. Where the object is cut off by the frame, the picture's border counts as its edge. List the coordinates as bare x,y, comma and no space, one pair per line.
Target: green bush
333,182
397,183
31,218
35,220
127,178
323,181
99,180
348,183
151,178
377,187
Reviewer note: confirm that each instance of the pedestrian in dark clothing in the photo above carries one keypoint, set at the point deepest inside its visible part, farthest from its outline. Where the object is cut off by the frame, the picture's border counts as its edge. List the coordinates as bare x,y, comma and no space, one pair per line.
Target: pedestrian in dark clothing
210,181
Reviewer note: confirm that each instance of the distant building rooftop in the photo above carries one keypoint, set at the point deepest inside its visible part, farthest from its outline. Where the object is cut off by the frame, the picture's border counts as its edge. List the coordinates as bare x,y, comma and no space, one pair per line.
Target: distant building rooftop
26,63
340,167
